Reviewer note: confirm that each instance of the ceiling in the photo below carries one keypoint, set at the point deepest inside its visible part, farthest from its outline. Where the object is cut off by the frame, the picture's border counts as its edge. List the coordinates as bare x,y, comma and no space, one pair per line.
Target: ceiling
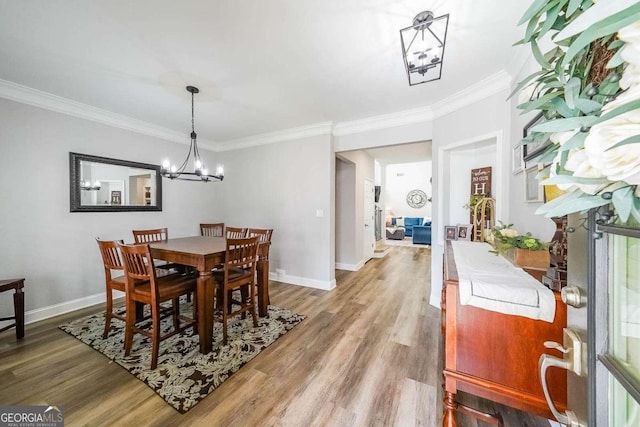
261,66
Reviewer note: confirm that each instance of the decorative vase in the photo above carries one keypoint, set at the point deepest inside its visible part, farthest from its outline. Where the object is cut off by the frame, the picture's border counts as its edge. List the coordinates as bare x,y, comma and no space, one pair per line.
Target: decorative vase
527,258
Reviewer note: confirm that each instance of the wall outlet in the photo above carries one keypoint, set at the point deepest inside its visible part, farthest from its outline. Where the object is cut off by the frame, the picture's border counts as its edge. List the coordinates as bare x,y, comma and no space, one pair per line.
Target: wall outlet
279,272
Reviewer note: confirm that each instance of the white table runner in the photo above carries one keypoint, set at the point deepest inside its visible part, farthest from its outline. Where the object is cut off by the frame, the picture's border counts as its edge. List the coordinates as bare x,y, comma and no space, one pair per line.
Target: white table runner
493,283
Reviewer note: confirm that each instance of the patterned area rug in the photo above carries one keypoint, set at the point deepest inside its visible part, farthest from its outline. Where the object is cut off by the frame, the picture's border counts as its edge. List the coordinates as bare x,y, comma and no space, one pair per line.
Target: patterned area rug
184,376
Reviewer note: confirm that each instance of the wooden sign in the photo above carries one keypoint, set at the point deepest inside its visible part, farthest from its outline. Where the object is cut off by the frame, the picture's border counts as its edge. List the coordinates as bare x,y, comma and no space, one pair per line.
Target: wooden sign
481,181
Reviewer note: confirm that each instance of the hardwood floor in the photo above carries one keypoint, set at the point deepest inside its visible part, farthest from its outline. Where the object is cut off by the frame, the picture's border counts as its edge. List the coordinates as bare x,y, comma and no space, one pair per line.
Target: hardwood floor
368,354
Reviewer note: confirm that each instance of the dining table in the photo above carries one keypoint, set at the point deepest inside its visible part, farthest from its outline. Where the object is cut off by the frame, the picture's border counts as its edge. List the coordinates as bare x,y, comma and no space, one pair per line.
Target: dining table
203,253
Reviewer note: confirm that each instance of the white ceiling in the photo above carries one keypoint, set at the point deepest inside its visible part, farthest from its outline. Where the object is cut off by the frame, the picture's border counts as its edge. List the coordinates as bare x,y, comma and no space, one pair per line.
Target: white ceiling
261,66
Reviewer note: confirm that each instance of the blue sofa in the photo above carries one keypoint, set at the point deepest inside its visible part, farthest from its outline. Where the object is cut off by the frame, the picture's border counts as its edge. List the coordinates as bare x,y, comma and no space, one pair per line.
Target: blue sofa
422,234
409,223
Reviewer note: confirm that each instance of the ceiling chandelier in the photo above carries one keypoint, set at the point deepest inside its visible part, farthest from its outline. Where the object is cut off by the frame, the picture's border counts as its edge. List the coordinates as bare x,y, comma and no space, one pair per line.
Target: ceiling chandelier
200,172
423,47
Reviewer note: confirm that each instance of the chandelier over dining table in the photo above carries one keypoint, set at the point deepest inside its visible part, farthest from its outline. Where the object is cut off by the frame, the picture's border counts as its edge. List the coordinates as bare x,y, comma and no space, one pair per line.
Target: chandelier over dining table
200,171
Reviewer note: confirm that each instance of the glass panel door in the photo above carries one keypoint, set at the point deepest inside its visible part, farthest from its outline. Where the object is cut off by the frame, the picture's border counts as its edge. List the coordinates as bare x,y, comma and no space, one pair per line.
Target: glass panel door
622,356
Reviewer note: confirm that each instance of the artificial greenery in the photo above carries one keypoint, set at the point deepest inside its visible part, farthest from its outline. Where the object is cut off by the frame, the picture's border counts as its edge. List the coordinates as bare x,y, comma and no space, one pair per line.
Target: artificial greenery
586,90
474,199
503,238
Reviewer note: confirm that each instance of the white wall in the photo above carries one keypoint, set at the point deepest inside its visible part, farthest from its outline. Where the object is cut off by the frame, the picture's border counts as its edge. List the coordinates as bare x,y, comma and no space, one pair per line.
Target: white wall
483,120
55,250
345,214
462,161
284,186
413,132
364,168
522,216
402,178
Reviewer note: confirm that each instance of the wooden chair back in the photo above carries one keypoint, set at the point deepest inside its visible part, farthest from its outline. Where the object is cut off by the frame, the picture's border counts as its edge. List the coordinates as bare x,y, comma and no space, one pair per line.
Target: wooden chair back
236,233
241,253
110,255
213,230
138,265
263,234
150,236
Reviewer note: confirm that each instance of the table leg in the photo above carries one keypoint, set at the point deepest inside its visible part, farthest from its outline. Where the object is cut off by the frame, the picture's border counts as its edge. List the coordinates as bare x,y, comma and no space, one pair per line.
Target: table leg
18,306
205,294
263,287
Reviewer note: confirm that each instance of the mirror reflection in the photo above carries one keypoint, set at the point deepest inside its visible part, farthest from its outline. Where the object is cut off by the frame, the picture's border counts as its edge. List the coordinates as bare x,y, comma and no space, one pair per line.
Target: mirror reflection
104,184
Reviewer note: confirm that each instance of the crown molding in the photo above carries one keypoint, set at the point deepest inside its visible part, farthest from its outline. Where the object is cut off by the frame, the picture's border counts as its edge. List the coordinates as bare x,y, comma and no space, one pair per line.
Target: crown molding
477,92
323,128
384,121
26,95
474,93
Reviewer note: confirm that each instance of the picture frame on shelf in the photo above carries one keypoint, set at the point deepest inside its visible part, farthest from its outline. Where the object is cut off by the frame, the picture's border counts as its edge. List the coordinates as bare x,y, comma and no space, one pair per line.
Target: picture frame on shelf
517,162
533,191
536,144
463,232
450,232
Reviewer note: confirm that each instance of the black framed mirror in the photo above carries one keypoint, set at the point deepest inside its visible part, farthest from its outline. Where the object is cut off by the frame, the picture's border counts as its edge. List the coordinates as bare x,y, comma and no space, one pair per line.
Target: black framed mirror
101,184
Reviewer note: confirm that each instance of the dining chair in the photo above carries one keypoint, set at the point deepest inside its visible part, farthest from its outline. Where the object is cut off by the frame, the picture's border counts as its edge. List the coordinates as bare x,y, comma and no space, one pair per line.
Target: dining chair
142,285
239,270
157,235
112,262
264,234
213,230
236,233
151,235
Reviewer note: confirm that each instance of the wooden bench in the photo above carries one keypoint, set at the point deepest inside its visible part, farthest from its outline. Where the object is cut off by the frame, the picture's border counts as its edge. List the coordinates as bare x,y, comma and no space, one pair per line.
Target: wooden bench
18,305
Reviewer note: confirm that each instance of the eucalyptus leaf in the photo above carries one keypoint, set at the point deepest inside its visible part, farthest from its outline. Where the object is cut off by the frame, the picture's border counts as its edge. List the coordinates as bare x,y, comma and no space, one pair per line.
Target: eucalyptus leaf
537,103
623,201
616,60
549,154
552,15
607,26
534,9
561,125
587,106
571,91
629,106
530,31
538,55
580,204
594,15
575,141
574,5
562,108
631,140
524,82
559,201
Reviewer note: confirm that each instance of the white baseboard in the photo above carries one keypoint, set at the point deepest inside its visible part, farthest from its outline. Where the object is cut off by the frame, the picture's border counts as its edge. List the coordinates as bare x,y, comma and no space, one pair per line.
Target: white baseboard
43,313
303,281
38,314
383,253
350,267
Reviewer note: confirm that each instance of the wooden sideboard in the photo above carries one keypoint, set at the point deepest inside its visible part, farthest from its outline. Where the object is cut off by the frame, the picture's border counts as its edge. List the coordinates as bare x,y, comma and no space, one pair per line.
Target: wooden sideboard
495,356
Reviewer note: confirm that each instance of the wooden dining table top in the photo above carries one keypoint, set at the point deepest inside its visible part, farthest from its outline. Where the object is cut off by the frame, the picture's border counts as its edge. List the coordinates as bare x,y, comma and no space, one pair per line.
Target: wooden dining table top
199,245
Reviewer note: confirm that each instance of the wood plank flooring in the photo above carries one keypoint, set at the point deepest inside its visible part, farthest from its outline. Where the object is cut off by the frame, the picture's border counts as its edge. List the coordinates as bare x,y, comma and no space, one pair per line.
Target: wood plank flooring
368,354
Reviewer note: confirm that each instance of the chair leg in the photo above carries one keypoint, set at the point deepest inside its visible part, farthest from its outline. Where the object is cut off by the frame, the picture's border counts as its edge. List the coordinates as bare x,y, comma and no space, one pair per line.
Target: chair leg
225,297
176,313
108,315
252,291
130,323
244,295
155,336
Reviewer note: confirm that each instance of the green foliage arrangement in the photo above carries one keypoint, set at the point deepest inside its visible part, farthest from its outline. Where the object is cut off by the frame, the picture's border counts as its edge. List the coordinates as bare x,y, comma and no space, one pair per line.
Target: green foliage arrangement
474,199
588,89
503,237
